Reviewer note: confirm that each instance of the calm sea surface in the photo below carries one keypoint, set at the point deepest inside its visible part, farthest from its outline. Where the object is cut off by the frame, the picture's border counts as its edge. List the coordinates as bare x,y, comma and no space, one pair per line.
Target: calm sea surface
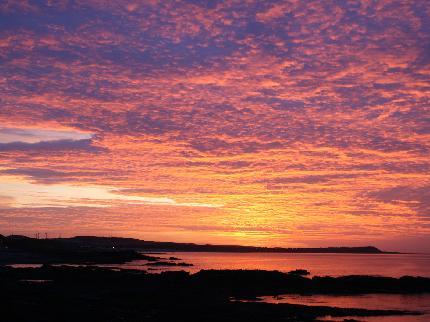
394,265
419,303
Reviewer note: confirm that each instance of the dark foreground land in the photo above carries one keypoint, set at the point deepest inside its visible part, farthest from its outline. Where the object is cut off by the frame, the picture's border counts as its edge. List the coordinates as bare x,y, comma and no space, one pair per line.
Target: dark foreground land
66,293
78,292
70,293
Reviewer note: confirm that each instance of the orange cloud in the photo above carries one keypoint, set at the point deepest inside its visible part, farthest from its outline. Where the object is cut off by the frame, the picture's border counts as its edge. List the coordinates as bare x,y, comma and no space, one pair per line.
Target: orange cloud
303,122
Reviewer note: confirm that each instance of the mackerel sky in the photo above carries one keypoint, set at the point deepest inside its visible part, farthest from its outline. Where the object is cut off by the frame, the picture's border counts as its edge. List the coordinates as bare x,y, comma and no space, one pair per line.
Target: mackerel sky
276,123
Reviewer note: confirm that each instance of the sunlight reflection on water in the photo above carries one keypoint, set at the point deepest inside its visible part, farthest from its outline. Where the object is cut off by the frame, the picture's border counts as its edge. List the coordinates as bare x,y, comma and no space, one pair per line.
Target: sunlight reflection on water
417,302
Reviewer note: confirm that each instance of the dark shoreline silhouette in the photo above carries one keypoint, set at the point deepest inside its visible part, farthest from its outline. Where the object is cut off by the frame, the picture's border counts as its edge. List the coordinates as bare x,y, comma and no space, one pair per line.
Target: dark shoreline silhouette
70,293
191,247
78,292
119,243
17,249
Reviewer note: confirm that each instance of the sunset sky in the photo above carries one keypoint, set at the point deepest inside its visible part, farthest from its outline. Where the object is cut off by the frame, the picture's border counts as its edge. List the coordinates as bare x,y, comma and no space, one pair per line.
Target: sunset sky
272,123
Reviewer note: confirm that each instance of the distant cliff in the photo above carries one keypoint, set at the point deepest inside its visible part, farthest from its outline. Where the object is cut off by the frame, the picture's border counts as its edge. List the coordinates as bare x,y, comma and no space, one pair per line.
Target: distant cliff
16,241
190,247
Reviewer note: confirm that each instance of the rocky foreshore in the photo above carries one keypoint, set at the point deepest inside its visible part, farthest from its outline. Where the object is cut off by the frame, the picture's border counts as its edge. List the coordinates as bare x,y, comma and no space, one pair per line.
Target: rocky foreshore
69,286
83,293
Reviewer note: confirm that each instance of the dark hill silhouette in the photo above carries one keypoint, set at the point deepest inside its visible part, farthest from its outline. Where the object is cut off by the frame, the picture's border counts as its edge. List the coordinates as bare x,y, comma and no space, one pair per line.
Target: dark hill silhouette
80,242
191,247
16,249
